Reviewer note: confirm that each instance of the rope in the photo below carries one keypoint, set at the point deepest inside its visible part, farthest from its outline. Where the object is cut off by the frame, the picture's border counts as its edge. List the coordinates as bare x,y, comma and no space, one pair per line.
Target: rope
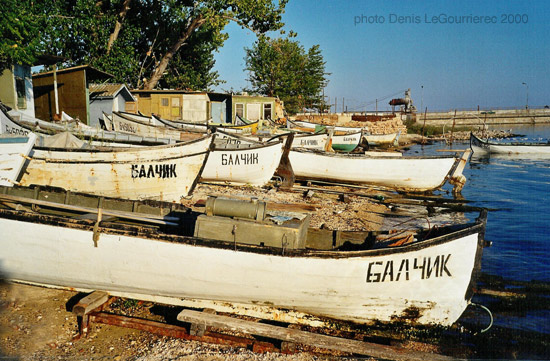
490,315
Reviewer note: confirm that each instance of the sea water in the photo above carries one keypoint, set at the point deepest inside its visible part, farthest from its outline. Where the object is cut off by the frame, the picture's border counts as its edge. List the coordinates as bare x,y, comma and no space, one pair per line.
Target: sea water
518,189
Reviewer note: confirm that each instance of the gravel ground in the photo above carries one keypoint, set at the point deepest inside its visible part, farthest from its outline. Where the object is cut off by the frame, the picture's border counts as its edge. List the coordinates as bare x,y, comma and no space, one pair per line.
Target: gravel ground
36,325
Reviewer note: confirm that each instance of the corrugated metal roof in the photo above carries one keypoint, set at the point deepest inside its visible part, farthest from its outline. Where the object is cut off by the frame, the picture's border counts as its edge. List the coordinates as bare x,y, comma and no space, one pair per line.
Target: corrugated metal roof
108,90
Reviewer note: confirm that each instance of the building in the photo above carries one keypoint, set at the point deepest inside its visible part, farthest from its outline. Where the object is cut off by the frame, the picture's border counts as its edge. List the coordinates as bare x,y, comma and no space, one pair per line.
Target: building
172,104
16,89
200,106
220,107
252,107
108,98
65,90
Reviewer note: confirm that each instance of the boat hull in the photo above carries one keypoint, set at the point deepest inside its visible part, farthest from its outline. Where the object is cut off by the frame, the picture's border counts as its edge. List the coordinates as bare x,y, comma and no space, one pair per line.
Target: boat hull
166,173
381,139
346,142
253,165
403,173
424,283
484,147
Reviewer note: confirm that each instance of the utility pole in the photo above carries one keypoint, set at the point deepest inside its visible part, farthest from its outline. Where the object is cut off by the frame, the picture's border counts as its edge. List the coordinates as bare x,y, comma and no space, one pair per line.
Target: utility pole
527,99
422,98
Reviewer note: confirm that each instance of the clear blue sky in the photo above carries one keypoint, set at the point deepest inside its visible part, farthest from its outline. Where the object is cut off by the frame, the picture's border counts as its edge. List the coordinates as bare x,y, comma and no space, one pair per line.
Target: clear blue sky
459,65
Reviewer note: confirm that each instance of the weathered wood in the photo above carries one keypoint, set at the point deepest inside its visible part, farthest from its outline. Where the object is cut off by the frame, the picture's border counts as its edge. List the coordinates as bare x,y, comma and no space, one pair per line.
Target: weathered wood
148,218
164,329
307,338
284,170
90,302
198,329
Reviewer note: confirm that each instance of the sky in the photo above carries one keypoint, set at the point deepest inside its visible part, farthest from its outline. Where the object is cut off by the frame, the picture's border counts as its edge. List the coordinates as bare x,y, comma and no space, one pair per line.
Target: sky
451,54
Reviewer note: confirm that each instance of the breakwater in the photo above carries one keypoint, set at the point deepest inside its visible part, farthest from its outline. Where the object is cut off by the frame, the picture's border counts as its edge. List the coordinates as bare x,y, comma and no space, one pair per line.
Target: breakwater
489,117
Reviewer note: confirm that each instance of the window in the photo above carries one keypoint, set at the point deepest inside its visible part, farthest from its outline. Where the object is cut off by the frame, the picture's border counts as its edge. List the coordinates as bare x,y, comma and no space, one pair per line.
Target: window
239,110
164,102
21,94
253,111
267,111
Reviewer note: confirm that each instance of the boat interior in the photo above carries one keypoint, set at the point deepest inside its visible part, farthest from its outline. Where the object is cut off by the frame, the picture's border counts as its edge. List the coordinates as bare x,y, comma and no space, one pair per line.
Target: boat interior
225,222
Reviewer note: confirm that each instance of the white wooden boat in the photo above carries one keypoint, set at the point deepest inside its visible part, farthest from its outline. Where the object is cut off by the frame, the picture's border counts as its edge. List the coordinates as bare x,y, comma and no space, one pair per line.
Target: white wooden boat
314,126
187,126
427,281
13,152
311,141
124,124
236,162
480,146
382,139
13,122
346,142
150,120
418,174
166,172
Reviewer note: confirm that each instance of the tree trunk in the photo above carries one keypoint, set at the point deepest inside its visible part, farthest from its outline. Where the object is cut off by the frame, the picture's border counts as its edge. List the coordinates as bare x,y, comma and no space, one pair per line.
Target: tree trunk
152,82
118,24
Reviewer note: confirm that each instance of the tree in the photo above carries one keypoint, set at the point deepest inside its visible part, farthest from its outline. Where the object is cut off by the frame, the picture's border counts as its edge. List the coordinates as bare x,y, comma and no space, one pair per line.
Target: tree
282,67
258,15
146,43
18,34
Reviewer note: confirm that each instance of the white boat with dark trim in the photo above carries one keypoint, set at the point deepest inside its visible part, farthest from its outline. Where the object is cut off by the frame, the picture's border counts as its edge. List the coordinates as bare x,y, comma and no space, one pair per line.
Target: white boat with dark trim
311,141
480,146
13,122
417,174
315,126
124,124
235,160
419,277
165,172
382,139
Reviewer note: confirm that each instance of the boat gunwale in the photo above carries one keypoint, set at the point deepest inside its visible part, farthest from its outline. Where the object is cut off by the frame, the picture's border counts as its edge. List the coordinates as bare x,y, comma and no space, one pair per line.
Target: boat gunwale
514,144
106,149
366,156
477,227
252,147
172,128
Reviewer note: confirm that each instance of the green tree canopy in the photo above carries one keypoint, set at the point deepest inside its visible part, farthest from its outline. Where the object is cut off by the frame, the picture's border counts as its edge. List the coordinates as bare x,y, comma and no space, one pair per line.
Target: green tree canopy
144,43
282,67
19,31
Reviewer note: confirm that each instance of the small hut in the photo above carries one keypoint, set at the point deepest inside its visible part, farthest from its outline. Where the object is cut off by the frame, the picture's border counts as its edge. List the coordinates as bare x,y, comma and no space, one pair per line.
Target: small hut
108,98
65,90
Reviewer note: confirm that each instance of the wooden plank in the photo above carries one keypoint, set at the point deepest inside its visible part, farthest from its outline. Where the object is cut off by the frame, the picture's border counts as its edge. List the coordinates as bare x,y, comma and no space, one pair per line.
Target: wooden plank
90,302
164,329
148,218
307,338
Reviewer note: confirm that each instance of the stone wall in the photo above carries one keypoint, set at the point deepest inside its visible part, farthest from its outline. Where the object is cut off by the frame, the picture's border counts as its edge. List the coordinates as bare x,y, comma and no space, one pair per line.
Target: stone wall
386,124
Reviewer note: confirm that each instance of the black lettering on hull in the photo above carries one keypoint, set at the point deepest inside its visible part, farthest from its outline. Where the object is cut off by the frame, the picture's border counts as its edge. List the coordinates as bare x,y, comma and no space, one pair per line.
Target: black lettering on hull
160,171
240,159
423,267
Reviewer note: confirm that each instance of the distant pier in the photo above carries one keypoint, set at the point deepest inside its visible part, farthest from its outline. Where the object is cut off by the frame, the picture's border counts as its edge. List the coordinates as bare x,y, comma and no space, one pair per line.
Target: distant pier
489,117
